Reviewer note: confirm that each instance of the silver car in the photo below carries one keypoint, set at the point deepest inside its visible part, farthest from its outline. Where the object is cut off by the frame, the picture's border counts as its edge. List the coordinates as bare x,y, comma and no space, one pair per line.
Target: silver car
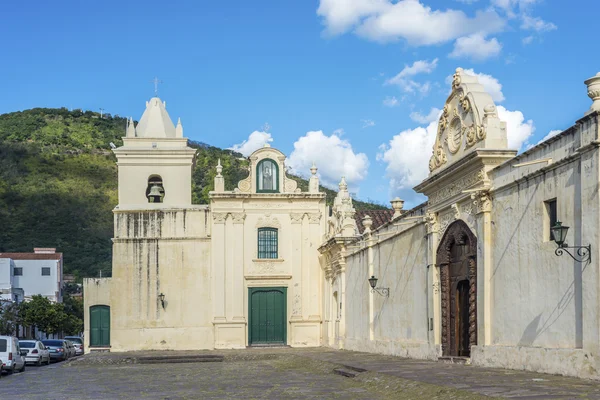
37,353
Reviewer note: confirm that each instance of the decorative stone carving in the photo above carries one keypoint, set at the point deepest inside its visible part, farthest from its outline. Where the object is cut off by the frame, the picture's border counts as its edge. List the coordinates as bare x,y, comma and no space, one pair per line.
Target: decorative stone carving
445,220
482,201
245,185
464,124
219,218
593,92
397,206
296,218
456,210
457,187
432,222
268,222
290,185
314,218
238,217
341,222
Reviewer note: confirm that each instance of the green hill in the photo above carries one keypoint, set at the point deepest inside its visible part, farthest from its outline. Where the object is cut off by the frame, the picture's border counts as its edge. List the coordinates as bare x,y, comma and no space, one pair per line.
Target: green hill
58,183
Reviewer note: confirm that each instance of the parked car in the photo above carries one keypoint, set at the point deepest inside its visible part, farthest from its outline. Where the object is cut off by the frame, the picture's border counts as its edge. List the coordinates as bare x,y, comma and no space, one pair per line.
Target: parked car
77,342
58,349
11,356
70,348
37,353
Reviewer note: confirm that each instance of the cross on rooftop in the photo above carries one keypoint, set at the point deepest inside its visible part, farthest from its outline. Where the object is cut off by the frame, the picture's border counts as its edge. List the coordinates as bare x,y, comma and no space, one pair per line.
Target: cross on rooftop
156,82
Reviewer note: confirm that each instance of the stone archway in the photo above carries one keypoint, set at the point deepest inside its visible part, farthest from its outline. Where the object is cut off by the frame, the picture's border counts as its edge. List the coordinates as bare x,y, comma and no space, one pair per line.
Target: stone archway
457,259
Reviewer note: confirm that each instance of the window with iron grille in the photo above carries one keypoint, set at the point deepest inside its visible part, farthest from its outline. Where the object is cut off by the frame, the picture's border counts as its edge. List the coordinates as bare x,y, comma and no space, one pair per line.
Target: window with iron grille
45,271
18,271
267,243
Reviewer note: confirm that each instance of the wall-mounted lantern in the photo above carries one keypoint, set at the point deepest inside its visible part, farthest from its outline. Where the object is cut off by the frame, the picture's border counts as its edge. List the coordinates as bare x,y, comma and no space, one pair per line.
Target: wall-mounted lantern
161,297
382,291
559,233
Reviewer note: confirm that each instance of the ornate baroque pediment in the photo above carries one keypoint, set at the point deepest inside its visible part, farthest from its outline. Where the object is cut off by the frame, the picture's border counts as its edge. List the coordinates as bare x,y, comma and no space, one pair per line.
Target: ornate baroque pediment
469,121
286,184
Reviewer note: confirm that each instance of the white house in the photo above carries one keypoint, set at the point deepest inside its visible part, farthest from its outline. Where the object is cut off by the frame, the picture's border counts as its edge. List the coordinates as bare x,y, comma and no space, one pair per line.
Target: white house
36,273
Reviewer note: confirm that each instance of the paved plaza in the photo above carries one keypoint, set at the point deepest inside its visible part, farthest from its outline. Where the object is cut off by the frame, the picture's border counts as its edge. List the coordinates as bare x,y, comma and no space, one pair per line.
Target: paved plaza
281,374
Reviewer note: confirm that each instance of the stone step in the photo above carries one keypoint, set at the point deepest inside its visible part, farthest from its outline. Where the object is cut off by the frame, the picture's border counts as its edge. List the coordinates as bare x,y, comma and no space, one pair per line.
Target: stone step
179,359
455,360
345,372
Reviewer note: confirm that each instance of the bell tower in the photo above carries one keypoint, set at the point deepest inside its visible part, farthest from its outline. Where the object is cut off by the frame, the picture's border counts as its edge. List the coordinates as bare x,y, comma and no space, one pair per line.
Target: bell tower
155,162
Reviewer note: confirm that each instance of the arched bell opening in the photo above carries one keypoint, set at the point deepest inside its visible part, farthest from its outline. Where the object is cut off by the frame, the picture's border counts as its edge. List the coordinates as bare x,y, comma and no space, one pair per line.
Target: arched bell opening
457,259
155,192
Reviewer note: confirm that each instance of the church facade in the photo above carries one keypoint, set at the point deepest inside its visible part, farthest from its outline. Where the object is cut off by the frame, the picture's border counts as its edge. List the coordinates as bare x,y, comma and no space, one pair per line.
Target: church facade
476,273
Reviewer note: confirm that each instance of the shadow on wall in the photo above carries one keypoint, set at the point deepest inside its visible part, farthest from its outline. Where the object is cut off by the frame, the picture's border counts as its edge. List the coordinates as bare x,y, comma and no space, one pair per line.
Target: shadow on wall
531,332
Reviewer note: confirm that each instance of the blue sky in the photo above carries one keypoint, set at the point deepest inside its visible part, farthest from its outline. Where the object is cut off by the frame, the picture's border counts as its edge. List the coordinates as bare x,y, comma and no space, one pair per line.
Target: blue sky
325,75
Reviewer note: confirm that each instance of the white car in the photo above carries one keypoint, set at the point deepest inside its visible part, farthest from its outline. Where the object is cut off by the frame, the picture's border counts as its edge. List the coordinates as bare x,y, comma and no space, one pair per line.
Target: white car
37,353
11,356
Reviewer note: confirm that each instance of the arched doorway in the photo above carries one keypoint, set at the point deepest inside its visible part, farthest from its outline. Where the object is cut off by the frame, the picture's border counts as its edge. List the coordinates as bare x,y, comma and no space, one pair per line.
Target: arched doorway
457,259
99,326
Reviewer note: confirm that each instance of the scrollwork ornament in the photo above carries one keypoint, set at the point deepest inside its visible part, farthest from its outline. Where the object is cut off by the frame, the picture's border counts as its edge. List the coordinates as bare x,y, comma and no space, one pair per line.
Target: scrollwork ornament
482,201
471,136
456,79
464,102
480,132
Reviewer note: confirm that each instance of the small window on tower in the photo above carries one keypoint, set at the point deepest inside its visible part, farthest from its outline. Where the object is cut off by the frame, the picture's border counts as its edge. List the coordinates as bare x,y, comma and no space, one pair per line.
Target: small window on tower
18,271
155,193
45,271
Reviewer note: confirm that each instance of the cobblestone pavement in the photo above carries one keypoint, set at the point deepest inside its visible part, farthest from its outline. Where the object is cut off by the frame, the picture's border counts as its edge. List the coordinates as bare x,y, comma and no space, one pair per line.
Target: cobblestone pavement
281,374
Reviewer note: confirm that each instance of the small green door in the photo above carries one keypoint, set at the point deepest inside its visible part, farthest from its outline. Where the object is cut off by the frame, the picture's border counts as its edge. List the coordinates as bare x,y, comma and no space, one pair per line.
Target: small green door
100,326
267,310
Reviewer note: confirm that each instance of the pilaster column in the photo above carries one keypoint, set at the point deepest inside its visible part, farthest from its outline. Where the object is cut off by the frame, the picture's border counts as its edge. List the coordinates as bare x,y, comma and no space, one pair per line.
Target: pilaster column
433,290
483,207
296,261
237,278
218,264
342,279
311,302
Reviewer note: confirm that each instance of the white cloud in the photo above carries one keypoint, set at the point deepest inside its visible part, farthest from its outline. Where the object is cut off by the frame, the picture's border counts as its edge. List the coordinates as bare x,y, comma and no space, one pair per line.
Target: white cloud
407,158
418,67
552,133
367,123
476,47
433,115
527,40
536,24
489,83
390,101
407,85
385,20
255,141
407,153
339,132
333,156
518,130
510,6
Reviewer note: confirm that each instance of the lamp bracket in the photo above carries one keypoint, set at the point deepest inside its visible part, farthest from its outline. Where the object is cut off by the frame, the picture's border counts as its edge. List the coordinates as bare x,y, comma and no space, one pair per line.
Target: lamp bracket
580,253
385,292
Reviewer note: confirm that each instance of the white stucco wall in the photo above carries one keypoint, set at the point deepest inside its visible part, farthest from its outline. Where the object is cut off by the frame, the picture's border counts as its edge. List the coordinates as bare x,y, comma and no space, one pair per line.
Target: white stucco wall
165,252
32,282
400,321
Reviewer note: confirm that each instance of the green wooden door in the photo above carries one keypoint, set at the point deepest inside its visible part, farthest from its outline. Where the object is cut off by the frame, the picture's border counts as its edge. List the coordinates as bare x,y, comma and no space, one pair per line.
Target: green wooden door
100,326
267,310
